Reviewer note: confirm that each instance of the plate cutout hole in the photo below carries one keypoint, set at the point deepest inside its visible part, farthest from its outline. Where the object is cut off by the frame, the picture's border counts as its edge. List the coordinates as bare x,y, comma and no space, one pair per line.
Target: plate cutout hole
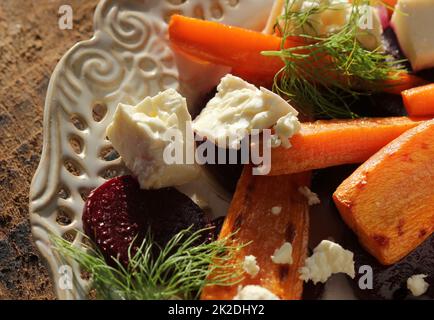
73,167
63,193
99,111
170,13
112,172
84,193
216,10
78,122
64,216
70,235
76,144
233,3
85,275
198,12
108,154
176,2
148,65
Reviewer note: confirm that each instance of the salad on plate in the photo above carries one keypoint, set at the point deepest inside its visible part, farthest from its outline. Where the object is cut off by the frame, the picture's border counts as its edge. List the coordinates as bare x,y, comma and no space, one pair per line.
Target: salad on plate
308,171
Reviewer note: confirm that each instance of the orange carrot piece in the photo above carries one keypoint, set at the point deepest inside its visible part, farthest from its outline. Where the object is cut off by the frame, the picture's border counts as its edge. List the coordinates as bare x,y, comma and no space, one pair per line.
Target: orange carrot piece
250,214
419,101
227,45
389,200
241,49
328,143
406,81
390,4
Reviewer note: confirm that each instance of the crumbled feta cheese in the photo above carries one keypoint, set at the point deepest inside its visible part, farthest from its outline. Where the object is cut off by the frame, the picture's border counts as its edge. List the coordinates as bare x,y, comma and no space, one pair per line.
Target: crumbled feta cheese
276,210
417,285
328,258
312,197
138,133
255,292
332,15
239,107
283,255
285,128
413,24
250,266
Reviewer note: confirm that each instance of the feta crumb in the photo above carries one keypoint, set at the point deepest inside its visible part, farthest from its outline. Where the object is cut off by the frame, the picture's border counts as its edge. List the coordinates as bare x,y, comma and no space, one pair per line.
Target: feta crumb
238,108
328,258
285,128
255,292
312,197
417,285
276,210
250,266
283,255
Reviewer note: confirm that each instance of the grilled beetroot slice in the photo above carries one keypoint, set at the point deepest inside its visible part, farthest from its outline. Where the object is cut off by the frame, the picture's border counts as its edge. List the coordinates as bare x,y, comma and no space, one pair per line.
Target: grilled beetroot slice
119,211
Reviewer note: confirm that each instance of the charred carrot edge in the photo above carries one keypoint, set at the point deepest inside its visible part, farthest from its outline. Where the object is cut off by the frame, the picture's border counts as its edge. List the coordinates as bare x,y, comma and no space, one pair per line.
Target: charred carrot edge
250,214
388,201
328,143
419,101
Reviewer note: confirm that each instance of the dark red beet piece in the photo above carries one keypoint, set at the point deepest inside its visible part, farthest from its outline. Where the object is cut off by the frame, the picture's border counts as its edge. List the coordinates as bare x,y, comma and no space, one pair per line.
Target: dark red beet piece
118,211
390,282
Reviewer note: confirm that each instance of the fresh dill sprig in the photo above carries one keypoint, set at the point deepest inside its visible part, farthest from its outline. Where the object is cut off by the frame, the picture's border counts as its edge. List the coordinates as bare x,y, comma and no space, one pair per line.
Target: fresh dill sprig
180,270
330,72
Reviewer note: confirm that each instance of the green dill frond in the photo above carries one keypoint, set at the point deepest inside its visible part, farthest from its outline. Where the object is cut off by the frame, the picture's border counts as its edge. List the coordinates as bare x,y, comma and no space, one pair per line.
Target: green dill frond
330,72
180,270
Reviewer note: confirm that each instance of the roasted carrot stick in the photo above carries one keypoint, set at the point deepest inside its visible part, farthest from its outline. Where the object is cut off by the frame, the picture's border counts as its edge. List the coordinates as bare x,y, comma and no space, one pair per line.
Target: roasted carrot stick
227,45
241,49
404,82
251,214
389,200
328,143
419,101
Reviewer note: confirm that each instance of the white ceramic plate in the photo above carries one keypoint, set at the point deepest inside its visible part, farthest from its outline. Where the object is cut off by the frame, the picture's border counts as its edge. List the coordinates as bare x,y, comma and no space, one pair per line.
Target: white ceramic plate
127,59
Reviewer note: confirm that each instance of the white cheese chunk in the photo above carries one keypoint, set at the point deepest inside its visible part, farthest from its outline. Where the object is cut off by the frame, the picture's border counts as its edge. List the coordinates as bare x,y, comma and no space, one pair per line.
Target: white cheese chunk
255,292
413,23
239,107
283,255
330,16
417,285
328,258
312,197
250,265
138,133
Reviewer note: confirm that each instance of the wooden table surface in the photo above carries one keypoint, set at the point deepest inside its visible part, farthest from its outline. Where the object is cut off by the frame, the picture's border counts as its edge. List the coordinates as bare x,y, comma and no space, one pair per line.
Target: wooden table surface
31,43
